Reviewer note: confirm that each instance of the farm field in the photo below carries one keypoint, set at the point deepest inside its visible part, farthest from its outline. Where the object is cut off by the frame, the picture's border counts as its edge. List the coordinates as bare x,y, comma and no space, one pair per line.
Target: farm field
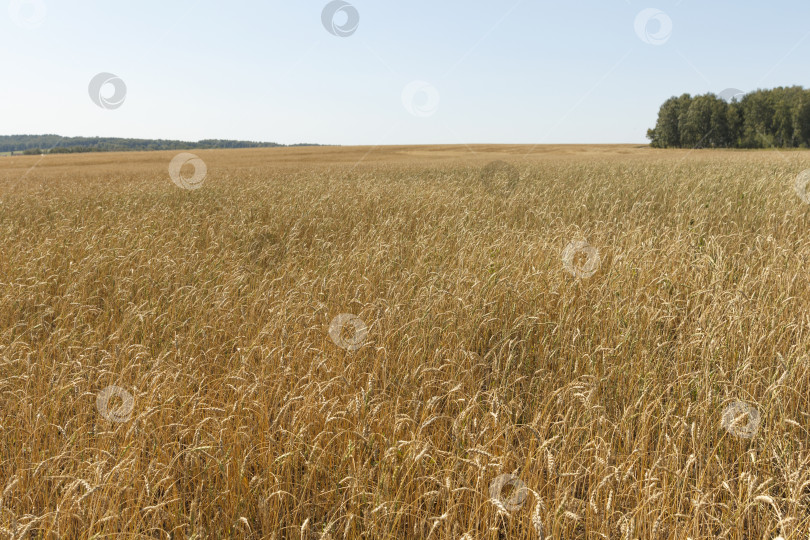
406,342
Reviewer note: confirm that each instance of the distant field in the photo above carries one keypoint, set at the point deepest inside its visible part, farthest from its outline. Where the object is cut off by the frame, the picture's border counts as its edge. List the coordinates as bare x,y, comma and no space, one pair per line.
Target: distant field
332,342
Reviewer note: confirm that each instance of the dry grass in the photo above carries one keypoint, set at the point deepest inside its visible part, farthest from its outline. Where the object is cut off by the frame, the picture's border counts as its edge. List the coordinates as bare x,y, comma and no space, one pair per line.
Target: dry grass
602,396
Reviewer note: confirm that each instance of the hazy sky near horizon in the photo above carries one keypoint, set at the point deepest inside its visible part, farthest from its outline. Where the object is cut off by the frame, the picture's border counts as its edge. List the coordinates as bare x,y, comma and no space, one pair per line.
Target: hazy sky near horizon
517,71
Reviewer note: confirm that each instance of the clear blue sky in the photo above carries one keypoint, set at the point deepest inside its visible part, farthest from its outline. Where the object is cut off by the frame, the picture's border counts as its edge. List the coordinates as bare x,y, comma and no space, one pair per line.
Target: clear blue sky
504,72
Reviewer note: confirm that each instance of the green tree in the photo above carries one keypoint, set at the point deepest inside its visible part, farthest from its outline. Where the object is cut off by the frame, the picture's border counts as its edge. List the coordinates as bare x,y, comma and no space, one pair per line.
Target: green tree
666,133
764,118
696,127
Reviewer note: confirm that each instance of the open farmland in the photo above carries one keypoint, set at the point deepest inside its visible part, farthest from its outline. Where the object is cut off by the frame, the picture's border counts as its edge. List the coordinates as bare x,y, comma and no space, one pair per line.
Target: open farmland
622,331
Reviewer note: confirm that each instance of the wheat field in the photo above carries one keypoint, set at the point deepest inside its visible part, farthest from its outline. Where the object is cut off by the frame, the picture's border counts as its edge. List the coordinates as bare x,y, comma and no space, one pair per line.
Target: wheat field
601,342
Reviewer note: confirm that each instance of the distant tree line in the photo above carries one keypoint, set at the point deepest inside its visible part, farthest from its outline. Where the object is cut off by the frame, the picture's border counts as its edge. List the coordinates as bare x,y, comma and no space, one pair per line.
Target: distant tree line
56,144
762,119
